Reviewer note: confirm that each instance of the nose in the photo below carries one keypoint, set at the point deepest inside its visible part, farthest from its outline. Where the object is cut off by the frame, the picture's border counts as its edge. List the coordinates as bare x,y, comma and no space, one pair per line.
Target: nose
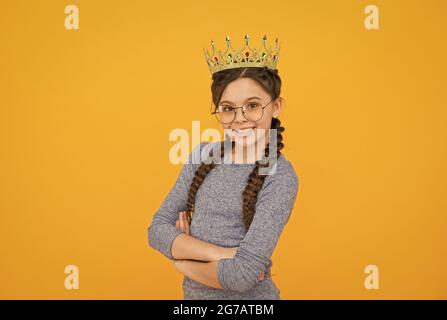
239,116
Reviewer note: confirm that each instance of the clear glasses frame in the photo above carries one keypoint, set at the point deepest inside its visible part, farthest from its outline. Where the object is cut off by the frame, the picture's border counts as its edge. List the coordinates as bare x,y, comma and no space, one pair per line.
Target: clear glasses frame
244,109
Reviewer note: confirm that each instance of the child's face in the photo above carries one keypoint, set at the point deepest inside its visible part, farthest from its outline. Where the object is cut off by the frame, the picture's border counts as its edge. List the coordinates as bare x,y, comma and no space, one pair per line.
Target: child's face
240,92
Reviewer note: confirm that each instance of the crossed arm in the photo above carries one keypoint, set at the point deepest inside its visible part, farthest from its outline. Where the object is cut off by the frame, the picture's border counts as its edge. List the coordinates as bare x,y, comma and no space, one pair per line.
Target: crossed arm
198,259
239,268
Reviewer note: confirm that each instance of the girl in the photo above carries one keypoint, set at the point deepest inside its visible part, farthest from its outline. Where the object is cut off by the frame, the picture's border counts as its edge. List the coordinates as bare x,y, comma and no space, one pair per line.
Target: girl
220,222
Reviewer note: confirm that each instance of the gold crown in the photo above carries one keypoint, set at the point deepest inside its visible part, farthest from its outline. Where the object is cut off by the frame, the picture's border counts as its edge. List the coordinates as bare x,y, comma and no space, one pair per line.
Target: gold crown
246,57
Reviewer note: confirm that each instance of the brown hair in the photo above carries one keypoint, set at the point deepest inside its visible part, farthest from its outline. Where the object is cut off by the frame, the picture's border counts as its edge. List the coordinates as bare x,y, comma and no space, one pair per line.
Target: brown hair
270,81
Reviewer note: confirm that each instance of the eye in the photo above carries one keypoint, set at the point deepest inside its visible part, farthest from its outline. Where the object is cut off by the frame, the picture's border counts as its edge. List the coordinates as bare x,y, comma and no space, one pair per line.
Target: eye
224,108
253,105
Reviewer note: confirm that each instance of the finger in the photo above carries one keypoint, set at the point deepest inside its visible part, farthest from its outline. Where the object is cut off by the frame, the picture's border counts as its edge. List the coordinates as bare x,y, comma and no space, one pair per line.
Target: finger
177,224
182,223
261,276
186,223
188,218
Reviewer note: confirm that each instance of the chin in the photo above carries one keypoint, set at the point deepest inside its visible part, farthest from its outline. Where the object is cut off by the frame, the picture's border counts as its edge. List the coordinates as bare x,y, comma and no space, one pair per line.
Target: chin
246,142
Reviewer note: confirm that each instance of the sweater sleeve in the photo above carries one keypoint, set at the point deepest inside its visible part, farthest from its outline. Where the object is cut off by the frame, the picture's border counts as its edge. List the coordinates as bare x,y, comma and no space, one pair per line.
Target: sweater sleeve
273,208
162,230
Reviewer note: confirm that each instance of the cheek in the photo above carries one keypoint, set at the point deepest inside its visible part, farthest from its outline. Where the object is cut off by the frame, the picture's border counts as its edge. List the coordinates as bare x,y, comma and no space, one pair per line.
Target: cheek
264,123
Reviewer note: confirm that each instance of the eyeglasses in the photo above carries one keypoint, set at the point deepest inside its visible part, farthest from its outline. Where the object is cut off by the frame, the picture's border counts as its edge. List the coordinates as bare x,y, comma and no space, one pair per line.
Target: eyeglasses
252,111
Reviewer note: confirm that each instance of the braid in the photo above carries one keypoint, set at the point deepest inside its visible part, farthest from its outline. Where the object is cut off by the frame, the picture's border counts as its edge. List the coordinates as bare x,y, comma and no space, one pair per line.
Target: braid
198,179
255,180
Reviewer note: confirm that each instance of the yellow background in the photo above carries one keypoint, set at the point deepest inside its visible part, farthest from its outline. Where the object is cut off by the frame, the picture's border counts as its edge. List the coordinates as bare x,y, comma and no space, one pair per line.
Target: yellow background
84,124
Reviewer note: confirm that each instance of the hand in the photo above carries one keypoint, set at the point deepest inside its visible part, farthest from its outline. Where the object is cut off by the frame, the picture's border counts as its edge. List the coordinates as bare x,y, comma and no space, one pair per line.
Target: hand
224,253
182,223
227,253
178,264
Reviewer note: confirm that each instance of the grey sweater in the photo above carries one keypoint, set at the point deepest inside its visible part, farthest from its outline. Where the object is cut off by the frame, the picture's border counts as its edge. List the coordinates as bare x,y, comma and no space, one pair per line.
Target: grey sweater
217,218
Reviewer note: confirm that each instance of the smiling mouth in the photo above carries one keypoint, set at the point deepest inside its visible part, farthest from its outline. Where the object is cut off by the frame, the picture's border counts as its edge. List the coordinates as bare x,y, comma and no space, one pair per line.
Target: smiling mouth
244,132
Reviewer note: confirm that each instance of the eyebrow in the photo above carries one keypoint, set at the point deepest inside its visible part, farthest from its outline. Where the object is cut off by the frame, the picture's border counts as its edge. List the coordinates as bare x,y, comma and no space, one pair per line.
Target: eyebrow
254,97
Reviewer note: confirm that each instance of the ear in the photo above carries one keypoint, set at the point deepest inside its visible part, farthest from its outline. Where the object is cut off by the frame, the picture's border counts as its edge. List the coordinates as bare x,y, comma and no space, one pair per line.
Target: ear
277,107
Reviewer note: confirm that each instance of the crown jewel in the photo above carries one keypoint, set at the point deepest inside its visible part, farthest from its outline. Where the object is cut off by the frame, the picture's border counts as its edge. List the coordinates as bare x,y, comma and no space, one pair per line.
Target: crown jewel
245,57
